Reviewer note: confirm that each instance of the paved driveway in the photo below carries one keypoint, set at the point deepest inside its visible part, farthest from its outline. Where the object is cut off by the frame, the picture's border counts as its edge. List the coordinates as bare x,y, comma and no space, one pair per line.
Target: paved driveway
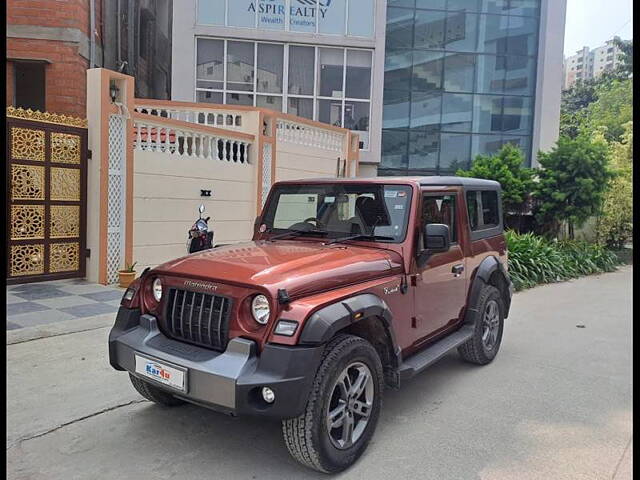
555,404
32,305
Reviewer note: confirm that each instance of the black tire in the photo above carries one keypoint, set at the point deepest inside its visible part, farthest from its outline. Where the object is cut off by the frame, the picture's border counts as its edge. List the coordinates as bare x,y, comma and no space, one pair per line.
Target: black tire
154,394
476,349
307,436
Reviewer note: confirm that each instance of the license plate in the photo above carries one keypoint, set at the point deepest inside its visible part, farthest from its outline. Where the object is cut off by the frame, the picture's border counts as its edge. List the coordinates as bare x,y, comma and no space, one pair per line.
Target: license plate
168,375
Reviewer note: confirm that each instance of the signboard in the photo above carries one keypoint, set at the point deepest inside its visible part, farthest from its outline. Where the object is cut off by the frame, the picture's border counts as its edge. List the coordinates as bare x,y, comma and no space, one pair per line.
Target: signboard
303,14
323,16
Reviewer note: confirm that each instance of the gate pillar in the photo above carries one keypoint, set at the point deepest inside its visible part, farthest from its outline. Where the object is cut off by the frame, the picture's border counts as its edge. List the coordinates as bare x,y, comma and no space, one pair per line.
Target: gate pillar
110,103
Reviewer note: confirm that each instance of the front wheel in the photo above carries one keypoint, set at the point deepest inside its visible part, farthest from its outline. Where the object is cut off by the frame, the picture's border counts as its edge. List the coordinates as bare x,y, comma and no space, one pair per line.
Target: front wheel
343,407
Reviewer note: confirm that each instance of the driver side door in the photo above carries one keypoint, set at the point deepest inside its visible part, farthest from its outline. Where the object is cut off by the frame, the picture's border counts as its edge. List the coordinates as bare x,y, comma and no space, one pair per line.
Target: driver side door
440,283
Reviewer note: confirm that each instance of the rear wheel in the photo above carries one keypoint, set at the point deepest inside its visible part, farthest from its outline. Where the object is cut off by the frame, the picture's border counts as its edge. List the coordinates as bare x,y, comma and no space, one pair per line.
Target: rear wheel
485,343
154,394
343,407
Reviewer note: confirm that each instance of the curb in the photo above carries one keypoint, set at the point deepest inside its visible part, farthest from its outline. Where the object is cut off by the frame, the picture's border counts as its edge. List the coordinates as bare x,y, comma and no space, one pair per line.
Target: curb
60,328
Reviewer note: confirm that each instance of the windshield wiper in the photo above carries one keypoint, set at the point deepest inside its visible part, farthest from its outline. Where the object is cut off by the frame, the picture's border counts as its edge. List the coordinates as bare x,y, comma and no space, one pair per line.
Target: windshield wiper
359,236
295,233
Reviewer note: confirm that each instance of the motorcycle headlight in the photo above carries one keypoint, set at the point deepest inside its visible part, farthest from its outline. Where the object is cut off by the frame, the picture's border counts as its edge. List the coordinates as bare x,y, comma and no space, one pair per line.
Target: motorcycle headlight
260,309
157,289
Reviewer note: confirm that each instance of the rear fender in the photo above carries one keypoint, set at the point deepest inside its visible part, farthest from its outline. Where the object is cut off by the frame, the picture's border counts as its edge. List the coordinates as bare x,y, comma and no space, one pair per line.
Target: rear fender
487,272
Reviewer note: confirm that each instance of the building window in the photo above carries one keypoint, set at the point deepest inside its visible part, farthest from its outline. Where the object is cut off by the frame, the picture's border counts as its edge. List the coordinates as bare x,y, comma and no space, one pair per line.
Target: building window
330,85
29,85
354,18
459,81
270,67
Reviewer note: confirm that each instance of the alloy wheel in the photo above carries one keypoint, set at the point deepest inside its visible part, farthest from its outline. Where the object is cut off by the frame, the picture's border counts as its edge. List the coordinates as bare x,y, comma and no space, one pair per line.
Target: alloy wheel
490,324
350,405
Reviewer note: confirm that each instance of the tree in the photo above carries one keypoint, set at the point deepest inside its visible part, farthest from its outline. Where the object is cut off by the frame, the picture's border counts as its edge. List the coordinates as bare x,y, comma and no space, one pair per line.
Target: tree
571,183
614,225
612,109
625,67
579,98
573,106
506,167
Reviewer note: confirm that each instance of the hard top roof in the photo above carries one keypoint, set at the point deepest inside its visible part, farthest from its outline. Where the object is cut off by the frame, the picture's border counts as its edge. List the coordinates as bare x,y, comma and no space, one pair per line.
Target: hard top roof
434,180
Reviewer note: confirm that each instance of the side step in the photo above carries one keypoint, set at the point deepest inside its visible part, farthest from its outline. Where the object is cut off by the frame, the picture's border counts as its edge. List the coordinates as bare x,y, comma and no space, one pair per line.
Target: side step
431,354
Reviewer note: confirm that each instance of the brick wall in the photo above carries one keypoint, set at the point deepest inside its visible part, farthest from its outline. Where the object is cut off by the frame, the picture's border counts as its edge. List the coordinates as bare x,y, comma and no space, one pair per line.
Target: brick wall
50,13
66,74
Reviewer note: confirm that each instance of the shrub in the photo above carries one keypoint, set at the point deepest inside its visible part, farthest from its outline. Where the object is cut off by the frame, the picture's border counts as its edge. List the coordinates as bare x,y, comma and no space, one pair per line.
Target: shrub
614,226
505,167
572,181
534,260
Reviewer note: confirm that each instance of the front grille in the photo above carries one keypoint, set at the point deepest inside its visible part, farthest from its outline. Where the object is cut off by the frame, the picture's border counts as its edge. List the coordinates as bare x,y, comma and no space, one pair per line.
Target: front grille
198,318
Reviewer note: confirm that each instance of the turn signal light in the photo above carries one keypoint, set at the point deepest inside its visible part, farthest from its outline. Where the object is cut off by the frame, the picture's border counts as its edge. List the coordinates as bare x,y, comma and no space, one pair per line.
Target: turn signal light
286,328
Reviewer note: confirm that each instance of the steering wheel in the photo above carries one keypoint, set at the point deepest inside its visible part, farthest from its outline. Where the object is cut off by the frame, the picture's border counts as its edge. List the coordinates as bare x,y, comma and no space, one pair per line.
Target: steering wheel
318,223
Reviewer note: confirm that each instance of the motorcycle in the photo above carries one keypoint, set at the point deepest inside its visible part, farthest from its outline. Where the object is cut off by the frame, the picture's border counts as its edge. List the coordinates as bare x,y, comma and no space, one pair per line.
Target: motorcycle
200,237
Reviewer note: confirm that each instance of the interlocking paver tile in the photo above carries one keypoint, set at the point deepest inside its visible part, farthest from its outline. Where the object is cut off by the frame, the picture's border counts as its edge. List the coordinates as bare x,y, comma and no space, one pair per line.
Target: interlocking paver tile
34,319
89,310
104,296
24,307
63,302
13,299
41,294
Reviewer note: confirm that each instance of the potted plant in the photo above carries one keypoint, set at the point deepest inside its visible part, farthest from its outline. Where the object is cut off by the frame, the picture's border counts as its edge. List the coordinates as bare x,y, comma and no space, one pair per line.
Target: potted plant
127,275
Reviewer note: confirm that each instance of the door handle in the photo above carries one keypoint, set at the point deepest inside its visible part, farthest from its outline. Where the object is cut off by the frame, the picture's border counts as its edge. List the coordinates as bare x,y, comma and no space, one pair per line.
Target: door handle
457,270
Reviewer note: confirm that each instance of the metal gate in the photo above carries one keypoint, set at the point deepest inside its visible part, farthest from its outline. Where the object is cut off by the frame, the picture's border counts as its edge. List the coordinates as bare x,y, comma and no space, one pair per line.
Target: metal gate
46,196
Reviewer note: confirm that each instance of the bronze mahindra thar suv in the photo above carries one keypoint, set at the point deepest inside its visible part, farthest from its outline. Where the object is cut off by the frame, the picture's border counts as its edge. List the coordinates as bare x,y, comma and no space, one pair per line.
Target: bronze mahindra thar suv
348,285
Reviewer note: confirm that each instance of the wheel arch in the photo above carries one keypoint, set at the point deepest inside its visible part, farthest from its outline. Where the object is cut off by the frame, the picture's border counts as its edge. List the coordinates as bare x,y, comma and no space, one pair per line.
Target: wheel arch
490,272
365,315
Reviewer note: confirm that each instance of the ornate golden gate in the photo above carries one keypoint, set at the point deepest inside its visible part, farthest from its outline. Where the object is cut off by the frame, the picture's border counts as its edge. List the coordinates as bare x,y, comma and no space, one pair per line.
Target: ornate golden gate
47,189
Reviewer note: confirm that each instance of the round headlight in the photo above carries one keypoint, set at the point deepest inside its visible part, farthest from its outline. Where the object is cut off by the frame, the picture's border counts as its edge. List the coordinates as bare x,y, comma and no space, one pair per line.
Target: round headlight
260,309
157,289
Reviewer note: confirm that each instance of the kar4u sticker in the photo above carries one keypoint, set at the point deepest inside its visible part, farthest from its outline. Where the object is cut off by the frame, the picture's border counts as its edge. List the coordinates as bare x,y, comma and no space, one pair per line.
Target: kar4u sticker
156,370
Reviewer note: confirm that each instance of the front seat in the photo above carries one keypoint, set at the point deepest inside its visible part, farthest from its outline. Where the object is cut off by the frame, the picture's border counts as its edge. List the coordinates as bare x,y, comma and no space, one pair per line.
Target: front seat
367,214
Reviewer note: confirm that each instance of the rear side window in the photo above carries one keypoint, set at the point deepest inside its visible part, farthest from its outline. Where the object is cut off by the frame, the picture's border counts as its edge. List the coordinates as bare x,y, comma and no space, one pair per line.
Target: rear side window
483,209
490,209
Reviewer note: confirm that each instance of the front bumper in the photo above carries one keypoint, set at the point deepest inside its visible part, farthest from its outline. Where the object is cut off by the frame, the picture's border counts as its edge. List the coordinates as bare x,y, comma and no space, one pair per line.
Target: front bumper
229,381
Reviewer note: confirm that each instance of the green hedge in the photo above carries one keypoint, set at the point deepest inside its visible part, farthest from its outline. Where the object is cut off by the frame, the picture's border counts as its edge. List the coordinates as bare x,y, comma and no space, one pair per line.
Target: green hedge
534,260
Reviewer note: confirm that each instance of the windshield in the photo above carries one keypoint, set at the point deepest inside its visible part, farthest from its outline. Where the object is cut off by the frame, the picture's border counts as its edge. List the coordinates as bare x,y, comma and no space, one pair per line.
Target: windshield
339,210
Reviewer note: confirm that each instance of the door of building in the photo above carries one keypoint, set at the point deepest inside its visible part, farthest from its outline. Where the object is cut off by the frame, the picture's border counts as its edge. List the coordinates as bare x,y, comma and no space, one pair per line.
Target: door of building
46,171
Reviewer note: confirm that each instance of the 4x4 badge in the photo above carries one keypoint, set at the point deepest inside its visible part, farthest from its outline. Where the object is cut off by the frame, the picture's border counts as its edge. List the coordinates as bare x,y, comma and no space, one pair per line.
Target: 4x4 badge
389,290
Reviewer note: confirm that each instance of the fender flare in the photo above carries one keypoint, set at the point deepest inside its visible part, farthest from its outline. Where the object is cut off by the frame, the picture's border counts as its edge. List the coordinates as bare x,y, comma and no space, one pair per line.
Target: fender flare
323,324
483,273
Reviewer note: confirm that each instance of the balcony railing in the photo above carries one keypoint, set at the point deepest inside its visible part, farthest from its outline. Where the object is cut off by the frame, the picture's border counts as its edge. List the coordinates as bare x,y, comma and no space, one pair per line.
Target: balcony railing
165,135
213,116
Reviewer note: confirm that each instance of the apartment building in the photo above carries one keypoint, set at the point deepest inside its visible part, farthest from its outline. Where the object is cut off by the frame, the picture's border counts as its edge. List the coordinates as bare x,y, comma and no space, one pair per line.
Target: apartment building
588,64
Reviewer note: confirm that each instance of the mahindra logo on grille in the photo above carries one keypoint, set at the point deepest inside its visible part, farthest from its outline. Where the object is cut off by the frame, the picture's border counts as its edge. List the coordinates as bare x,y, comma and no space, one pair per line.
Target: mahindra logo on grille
201,285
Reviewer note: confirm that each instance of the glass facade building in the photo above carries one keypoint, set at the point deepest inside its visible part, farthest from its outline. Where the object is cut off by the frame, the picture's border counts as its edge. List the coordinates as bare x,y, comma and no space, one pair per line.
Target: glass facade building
426,84
459,81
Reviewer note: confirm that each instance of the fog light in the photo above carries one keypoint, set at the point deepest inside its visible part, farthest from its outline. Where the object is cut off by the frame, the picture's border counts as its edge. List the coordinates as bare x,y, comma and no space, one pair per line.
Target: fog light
268,395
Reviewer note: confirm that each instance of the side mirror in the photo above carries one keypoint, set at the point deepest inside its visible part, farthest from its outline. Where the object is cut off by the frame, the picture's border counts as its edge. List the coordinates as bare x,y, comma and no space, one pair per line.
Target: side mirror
436,239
